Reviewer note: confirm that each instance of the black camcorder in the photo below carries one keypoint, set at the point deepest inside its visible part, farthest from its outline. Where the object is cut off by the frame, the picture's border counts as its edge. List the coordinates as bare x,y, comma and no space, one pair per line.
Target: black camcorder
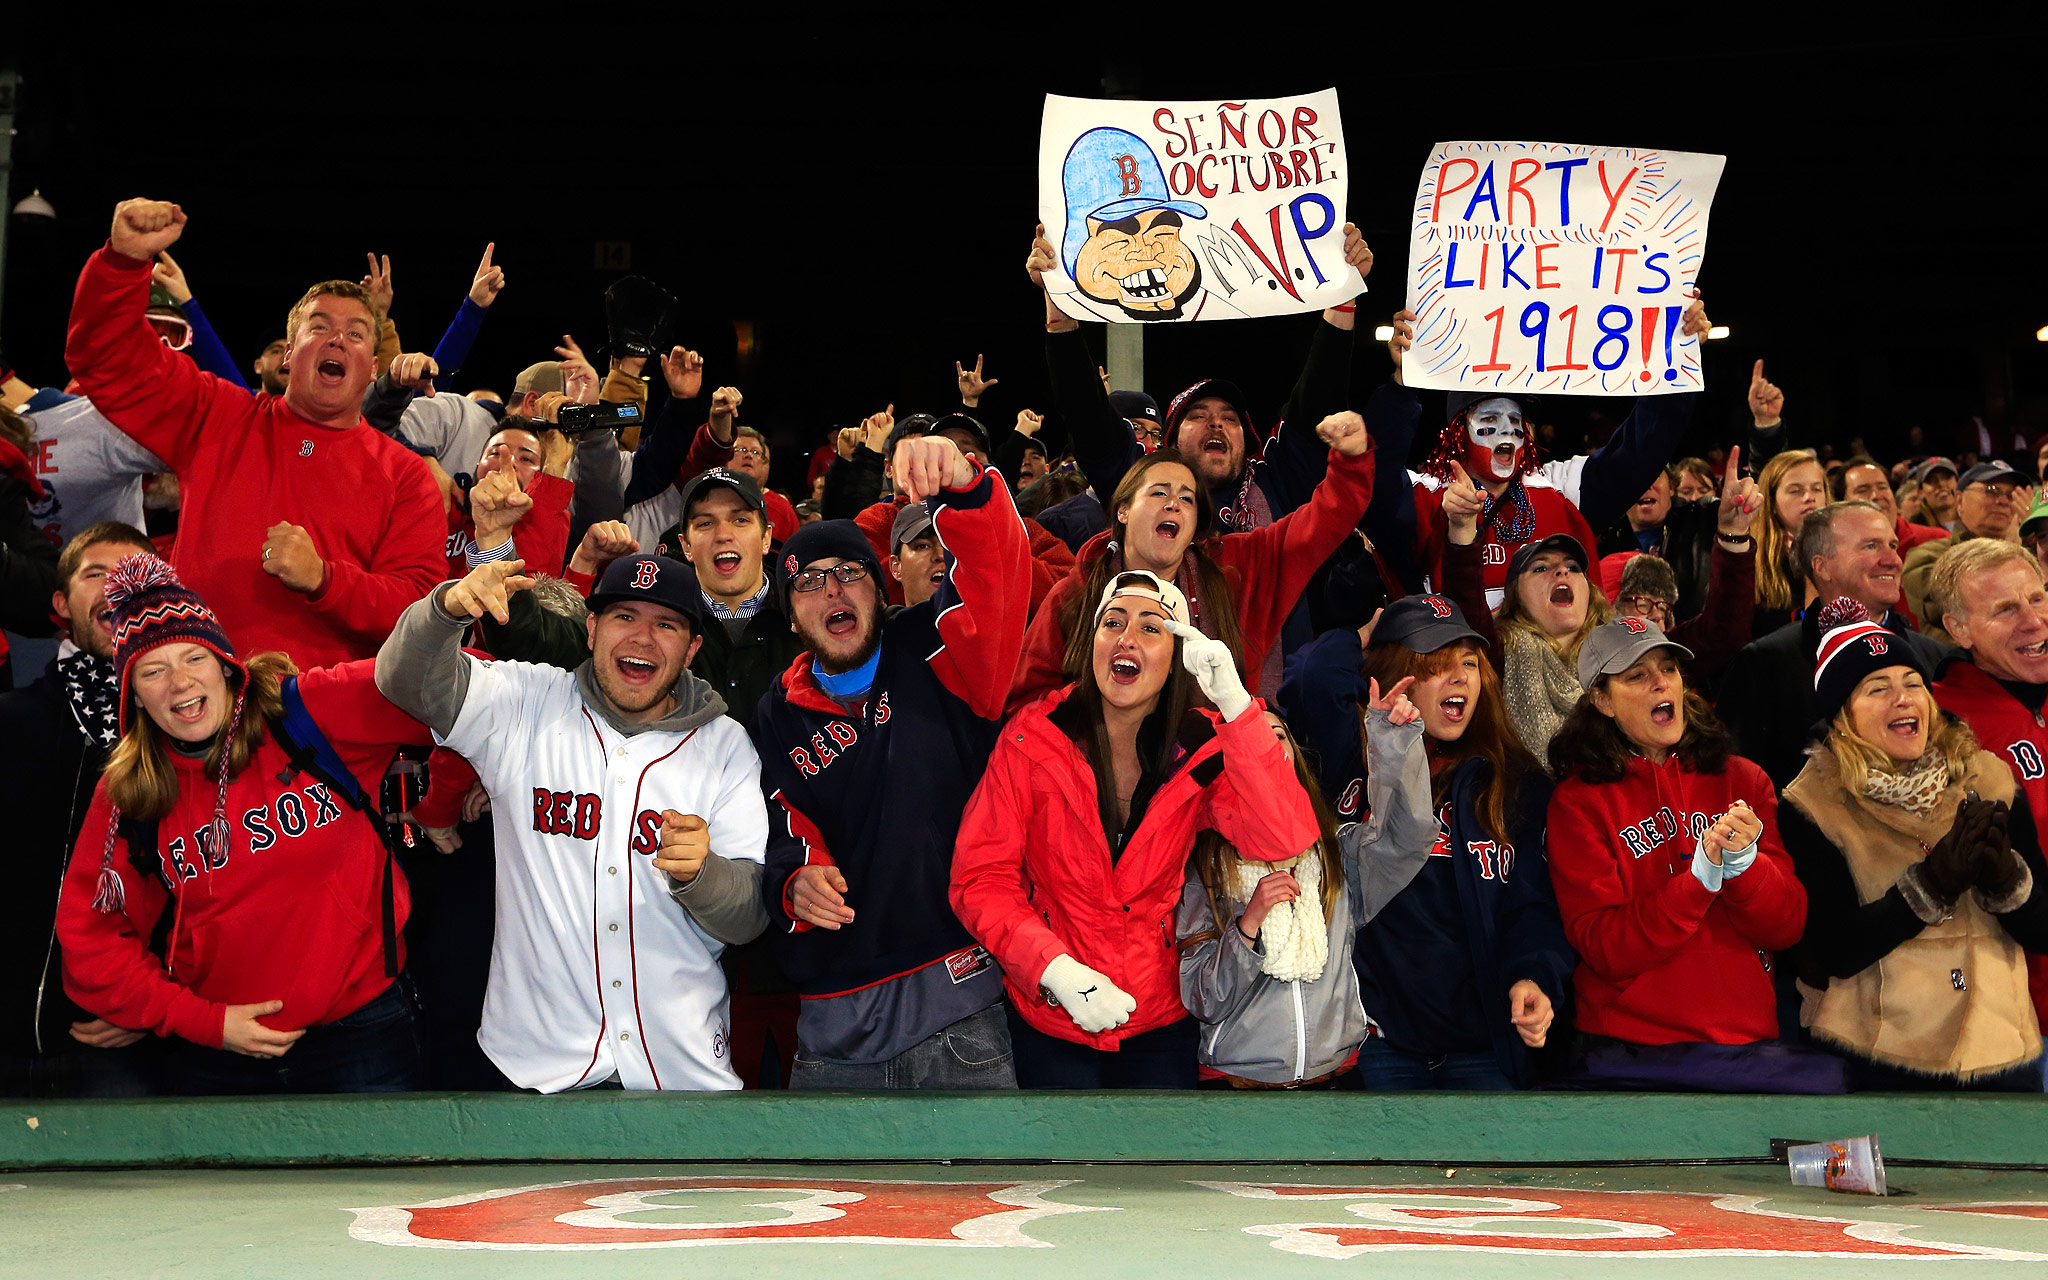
575,419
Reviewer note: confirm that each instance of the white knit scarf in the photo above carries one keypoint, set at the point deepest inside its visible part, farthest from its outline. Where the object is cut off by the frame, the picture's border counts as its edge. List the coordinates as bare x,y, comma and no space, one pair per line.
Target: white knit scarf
1294,938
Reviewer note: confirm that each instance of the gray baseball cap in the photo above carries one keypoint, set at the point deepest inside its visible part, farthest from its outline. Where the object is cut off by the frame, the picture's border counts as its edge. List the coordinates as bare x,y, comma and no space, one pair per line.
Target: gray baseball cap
1614,646
912,519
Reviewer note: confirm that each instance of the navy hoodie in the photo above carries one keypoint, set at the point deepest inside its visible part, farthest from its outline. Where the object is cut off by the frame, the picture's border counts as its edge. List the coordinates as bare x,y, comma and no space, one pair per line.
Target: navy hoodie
1497,897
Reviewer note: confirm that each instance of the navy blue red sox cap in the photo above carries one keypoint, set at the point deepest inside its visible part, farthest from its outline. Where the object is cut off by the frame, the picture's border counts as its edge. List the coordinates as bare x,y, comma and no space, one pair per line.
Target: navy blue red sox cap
1423,624
654,580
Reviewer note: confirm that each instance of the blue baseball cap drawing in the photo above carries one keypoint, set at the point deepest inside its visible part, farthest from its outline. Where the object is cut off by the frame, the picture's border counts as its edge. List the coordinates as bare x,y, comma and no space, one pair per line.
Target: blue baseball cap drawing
1112,174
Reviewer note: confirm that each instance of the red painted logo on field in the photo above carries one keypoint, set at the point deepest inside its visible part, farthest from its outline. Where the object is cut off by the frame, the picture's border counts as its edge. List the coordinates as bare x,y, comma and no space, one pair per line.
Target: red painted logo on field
642,1213
1541,1220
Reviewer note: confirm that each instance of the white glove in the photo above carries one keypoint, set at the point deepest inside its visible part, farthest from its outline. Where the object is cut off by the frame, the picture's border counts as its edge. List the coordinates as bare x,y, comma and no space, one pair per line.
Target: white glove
1094,1002
1213,669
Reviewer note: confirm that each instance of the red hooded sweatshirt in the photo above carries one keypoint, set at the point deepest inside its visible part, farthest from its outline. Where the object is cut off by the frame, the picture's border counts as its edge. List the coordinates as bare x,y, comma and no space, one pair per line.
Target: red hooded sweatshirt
291,910
1663,960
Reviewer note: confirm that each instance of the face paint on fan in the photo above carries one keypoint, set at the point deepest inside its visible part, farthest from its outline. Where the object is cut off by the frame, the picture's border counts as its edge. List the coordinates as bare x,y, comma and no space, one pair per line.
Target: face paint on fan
1494,438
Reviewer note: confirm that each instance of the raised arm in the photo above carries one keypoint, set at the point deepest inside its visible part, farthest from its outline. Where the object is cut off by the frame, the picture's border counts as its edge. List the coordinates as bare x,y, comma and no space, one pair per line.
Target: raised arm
454,346
853,482
982,605
1295,454
1616,474
421,667
208,351
158,398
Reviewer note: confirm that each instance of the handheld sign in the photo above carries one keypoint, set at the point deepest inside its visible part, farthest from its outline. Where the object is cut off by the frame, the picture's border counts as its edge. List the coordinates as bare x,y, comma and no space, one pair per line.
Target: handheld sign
1212,210
1538,266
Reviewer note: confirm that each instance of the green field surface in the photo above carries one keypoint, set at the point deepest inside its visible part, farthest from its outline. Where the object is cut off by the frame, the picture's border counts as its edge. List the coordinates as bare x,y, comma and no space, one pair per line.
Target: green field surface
505,1222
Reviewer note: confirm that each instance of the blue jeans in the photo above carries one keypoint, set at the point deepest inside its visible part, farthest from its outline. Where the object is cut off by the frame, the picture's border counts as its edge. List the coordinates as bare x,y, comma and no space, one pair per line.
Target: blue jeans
1385,1069
1162,1058
973,1053
376,1049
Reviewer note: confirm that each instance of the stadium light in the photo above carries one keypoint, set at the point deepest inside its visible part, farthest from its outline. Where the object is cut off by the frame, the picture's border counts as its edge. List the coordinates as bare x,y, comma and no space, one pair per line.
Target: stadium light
1386,331
1717,331
2041,334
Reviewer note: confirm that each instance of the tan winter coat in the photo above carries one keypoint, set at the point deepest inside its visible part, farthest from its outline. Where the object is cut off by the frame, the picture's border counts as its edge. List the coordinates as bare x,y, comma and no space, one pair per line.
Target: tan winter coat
1951,1001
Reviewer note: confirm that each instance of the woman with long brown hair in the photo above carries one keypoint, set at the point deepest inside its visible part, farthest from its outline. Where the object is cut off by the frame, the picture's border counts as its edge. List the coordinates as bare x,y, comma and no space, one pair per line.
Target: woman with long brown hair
1672,883
1465,968
1792,484
1239,587
221,891
1265,948
1072,852
1550,607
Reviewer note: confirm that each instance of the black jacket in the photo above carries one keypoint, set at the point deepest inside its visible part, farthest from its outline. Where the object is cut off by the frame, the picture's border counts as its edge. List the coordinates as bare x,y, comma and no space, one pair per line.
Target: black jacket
743,670
1686,544
48,770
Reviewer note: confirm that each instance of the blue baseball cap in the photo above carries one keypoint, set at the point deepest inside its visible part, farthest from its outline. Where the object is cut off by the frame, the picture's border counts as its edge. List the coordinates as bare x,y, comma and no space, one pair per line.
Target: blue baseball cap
1111,174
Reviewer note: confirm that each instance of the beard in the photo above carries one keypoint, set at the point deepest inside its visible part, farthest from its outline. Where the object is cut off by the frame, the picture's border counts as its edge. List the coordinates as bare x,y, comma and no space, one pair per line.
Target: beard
820,644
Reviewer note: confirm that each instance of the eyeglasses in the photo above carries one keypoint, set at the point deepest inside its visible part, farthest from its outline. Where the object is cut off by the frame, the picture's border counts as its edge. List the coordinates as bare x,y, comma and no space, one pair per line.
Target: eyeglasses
850,572
748,452
1147,432
1996,492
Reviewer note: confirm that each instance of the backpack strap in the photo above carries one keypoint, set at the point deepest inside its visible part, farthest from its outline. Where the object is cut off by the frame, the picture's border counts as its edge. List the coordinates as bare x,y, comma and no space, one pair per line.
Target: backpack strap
310,752
139,834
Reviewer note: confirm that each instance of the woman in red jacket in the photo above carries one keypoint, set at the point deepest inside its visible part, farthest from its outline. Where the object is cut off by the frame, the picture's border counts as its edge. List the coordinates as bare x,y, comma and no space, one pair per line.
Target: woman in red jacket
1672,883
221,890
1073,850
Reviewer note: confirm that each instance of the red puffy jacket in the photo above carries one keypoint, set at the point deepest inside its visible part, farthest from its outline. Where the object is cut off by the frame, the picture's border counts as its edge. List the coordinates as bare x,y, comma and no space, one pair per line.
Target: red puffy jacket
1032,875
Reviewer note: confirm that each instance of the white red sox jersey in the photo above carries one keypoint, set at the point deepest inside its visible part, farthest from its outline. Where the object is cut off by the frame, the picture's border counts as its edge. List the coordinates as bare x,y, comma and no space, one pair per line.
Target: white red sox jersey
595,971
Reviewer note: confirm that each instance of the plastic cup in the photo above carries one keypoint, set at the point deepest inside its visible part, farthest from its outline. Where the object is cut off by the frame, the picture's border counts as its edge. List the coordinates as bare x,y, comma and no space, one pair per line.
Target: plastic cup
1852,1165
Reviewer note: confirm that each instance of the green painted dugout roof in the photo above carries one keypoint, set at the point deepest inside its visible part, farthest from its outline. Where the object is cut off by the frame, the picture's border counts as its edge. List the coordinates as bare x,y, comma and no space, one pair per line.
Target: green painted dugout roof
1350,1128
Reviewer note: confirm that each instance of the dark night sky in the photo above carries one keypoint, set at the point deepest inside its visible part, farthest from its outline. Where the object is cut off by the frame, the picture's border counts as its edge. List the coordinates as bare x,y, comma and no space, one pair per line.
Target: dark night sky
862,197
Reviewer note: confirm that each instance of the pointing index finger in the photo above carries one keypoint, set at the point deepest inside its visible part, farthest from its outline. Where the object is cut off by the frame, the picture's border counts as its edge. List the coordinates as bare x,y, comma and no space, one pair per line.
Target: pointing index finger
485,265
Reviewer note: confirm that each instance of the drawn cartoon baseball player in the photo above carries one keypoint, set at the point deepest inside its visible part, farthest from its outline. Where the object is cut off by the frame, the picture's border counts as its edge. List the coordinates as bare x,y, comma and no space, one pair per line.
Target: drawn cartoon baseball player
1123,246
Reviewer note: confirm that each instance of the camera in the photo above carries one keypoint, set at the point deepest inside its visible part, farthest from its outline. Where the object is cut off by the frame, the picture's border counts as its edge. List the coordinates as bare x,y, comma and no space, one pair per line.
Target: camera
575,419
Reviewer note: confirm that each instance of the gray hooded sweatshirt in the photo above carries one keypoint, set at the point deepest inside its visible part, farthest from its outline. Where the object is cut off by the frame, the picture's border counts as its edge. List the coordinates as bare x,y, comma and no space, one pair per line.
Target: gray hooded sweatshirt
1258,1027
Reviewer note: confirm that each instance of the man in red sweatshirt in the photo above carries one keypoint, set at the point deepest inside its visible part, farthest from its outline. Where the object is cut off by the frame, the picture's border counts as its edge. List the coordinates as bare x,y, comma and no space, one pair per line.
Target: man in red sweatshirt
307,530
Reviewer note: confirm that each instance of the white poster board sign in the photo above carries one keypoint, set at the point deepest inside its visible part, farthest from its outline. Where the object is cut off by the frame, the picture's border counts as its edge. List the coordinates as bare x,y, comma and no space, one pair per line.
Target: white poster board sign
1212,210
1538,266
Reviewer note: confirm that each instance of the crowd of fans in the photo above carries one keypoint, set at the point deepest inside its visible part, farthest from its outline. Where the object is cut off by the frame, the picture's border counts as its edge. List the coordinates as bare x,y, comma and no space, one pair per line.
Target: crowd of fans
397,738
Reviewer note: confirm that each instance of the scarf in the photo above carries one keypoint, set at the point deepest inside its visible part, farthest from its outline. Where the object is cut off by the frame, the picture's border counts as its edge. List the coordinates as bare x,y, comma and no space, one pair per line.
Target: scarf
1916,789
1540,688
1294,939
94,693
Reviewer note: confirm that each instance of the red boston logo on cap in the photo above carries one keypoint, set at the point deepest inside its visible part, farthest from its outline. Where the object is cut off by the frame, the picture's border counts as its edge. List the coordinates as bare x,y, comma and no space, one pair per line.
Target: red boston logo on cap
1437,606
1635,626
644,574
1876,643
789,565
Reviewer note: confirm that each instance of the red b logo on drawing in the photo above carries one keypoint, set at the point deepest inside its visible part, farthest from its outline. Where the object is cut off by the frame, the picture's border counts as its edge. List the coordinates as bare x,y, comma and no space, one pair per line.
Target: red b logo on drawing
1635,626
1127,171
644,574
1437,606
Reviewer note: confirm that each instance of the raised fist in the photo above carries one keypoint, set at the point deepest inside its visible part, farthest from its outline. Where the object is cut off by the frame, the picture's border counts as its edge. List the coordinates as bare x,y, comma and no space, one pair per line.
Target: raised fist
145,228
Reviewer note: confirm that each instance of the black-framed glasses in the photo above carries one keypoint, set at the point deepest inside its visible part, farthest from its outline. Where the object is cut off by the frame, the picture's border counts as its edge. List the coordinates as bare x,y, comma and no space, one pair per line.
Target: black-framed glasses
850,572
1147,431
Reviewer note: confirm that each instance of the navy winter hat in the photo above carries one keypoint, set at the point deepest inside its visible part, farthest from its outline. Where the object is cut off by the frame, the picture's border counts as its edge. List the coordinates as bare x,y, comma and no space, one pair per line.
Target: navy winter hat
824,540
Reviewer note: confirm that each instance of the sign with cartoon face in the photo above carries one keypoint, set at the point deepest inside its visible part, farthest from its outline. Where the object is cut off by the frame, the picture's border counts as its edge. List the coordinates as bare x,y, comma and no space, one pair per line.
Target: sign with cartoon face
1210,210
1537,266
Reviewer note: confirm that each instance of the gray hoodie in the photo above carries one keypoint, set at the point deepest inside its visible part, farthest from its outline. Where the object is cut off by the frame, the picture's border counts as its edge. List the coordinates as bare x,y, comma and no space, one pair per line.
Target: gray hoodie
1260,1028
424,673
